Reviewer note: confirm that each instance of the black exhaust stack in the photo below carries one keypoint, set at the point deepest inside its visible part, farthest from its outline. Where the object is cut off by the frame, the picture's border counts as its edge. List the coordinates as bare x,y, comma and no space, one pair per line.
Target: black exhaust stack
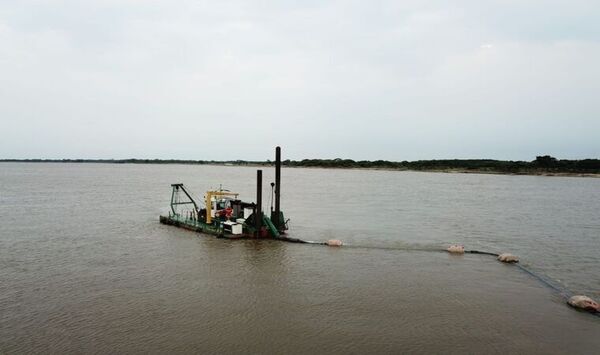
276,221
258,211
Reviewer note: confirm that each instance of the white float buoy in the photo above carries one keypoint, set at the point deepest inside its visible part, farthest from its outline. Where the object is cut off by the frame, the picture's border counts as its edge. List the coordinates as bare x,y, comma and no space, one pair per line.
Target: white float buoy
508,258
456,249
334,243
584,302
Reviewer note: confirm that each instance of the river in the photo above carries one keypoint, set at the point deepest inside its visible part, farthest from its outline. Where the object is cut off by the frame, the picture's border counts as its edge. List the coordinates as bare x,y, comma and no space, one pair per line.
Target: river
85,265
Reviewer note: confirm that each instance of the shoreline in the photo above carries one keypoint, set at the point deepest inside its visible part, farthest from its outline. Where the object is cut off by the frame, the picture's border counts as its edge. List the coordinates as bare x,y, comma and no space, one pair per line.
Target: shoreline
456,171
257,165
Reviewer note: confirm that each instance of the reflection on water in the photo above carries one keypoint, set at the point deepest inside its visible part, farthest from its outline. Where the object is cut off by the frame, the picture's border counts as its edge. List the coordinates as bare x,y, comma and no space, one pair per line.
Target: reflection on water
85,265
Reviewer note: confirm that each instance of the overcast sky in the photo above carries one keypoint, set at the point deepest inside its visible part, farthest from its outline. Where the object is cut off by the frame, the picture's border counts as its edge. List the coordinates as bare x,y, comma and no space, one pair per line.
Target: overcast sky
396,80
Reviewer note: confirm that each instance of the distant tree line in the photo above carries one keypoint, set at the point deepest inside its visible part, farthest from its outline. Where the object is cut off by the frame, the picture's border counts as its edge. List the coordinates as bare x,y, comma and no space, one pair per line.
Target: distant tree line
542,164
139,161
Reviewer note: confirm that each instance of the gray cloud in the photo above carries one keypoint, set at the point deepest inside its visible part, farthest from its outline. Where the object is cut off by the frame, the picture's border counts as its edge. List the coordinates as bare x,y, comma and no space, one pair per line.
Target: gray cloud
225,80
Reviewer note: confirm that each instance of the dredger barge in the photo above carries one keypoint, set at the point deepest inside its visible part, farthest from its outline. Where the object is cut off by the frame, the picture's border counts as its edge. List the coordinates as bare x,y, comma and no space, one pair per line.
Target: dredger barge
226,216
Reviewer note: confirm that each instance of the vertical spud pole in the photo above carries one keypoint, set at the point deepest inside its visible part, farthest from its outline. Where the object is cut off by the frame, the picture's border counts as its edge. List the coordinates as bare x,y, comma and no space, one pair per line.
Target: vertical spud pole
258,219
277,188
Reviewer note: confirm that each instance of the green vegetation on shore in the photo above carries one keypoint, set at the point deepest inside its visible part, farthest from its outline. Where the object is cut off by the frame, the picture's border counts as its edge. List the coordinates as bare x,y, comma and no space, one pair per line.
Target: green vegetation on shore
541,165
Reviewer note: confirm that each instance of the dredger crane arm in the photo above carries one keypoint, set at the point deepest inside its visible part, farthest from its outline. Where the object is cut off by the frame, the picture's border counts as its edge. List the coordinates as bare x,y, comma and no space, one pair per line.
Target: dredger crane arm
176,188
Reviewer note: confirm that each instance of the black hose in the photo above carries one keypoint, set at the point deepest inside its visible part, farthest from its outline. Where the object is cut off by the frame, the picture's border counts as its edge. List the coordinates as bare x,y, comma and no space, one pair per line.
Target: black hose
294,240
480,252
562,291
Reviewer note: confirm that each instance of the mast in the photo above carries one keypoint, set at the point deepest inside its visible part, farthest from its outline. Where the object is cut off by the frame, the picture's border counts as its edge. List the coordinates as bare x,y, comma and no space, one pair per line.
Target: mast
276,220
258,215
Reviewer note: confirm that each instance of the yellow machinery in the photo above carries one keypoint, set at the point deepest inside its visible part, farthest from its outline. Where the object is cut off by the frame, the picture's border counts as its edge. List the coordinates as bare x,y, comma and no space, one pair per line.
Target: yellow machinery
209,196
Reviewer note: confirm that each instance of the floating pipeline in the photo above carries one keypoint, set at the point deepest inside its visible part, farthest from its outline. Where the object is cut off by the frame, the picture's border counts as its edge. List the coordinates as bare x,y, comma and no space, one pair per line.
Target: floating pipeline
579,302
576,301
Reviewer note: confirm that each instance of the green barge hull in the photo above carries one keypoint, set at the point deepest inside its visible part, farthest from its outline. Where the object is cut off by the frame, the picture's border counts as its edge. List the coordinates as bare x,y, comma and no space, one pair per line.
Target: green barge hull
216,228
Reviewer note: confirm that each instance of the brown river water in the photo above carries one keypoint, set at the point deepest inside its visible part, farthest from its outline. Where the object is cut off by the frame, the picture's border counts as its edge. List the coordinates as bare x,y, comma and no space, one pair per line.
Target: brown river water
85,266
